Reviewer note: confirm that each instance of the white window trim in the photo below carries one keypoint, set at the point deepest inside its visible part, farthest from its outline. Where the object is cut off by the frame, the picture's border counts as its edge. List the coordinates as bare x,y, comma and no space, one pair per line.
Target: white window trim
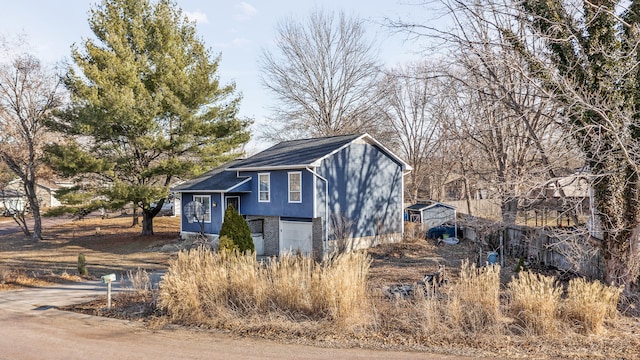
207,209
289,186
268,188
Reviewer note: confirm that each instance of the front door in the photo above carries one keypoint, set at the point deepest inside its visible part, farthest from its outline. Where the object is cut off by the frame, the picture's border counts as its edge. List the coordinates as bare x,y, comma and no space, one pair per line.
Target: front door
233,201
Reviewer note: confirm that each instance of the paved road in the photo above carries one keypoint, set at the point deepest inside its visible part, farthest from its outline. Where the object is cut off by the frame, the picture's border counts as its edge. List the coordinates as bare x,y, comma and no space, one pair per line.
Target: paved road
32,328
9,226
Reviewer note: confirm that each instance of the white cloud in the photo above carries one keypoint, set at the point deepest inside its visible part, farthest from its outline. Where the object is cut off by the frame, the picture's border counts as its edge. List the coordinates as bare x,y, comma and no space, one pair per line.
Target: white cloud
247,11
197,16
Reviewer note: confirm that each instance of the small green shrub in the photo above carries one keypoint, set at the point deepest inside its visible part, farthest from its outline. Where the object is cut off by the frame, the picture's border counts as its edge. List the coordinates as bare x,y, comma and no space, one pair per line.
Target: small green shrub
226,244
237,229
520,266
82,265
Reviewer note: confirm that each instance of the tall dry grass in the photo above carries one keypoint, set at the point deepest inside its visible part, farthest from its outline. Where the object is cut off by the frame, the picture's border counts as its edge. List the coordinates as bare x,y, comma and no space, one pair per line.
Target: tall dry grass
590,303
535,302
473,303
230,290
140,280
469,305
204,287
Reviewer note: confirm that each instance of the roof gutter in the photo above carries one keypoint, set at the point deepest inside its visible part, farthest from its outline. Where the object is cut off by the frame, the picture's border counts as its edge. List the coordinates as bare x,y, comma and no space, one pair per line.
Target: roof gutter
269,168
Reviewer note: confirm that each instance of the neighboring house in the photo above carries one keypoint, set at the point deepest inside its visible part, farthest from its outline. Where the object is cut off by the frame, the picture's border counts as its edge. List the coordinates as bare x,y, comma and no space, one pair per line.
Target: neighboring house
12,200
46,193
14,196
306,195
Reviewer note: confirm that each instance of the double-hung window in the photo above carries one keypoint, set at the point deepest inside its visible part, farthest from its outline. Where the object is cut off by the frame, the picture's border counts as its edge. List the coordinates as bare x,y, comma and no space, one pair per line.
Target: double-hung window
205,200
264,187
295,187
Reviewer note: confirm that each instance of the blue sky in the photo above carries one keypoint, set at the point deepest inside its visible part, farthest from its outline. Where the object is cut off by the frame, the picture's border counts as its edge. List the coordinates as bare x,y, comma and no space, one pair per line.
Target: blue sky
238,30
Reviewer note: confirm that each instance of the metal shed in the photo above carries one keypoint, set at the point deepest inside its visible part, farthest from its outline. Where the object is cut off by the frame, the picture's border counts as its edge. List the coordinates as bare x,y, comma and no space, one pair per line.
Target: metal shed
431,214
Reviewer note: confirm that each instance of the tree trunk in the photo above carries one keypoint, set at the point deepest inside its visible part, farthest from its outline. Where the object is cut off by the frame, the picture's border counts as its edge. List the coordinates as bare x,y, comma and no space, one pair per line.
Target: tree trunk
509,209
34,204
37,223
135,220
467,194
19,218
147,222
29,186
620,226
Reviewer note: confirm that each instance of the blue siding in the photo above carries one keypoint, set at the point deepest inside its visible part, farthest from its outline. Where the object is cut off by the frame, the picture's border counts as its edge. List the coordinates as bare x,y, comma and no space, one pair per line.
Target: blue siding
279,197
365,187
216,214
243,187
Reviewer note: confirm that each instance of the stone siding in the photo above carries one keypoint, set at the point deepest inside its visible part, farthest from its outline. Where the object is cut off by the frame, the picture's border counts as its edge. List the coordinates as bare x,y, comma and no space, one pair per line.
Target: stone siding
271,234
317,238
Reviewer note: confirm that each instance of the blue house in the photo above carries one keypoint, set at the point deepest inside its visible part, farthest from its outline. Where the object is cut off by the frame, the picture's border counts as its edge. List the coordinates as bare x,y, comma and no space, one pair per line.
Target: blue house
308,196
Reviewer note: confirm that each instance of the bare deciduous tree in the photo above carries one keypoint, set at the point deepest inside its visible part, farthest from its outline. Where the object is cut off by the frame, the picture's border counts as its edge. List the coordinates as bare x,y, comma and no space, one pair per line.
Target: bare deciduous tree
591,67
323,77
29,93
583,56
497,108
413,106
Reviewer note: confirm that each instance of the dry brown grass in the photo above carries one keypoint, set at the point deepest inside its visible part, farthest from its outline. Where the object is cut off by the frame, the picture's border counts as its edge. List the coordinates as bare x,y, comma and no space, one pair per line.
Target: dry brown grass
118,247
473,302
14,278
140,280
471,315
535,302
590,303
204,287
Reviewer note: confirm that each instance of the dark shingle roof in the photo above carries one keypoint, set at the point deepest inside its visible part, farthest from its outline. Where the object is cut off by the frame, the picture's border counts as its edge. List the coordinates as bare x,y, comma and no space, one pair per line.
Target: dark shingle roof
428,204
301,152
213,180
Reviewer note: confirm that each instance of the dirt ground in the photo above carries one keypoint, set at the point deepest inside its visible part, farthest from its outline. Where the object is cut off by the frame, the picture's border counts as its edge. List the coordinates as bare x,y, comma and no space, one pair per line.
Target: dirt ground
109,245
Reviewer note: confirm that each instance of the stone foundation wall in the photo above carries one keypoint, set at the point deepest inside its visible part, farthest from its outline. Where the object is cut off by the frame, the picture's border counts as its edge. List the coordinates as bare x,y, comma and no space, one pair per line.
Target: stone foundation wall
271,234
317,238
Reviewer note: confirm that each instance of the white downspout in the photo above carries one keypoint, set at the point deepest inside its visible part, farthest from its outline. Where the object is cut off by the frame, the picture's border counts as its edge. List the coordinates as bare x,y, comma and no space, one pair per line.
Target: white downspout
402,207
326,209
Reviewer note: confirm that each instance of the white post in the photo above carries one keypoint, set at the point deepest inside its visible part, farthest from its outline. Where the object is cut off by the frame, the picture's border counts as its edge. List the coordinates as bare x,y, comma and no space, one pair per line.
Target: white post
108,279
109,295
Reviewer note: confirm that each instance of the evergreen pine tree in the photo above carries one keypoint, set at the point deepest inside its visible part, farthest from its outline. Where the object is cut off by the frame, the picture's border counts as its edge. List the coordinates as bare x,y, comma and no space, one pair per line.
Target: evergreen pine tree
237,229
147,107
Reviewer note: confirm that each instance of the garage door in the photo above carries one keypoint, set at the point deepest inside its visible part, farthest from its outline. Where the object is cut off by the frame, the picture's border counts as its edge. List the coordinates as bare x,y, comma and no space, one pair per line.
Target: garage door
295,236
